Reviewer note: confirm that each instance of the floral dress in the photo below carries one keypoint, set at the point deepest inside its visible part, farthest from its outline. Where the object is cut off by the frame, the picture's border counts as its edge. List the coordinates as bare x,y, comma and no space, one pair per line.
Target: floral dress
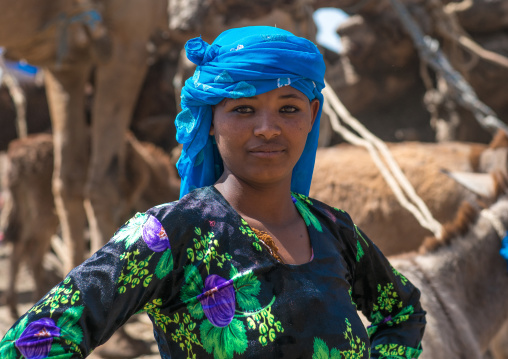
212,290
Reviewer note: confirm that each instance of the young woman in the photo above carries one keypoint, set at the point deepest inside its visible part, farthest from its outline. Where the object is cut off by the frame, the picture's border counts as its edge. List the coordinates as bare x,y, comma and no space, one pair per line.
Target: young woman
244,265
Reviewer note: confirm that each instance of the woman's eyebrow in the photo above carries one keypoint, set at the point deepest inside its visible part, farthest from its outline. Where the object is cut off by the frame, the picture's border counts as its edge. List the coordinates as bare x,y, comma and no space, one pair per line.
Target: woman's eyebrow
282,97
291,95
240,99
224,102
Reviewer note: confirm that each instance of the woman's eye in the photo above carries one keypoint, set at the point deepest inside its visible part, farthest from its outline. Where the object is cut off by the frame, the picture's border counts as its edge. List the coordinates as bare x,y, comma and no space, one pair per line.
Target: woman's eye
289,109
243,109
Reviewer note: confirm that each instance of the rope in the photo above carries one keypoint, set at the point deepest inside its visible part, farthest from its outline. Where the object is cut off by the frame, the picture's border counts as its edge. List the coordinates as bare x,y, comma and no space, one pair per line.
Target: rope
18,98
459,89
395,178
90,18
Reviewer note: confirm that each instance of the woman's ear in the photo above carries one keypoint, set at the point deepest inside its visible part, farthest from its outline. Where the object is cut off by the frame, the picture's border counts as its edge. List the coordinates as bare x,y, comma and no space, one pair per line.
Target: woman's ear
314,108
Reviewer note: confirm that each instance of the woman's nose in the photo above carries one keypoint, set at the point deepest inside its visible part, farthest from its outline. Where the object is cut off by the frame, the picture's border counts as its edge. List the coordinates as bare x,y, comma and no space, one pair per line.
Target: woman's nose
267,125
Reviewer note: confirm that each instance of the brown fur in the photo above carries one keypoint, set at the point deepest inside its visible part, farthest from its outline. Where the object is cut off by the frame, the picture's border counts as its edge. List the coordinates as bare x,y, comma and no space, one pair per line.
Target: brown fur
500,140
346,177
29,219
475,156
465,217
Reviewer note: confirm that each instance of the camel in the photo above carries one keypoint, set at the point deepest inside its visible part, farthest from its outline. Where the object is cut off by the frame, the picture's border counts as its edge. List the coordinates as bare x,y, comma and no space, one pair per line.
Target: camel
69,39
345,176
463,279
29,221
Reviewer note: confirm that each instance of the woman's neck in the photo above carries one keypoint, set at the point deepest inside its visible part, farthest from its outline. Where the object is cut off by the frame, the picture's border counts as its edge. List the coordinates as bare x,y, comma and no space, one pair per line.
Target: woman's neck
267,204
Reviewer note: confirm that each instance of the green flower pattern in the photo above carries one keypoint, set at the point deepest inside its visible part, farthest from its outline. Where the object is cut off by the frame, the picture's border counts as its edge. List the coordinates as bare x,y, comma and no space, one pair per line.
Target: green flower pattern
359,251
71,332
134,272
161,320
378,318
61,295
7,350
358,349
403,279
205,249
223,342
186,336
302,203
361,236
192,327
387,299
396,351
388,302
350,292
71,335
264,321
132,230
246,230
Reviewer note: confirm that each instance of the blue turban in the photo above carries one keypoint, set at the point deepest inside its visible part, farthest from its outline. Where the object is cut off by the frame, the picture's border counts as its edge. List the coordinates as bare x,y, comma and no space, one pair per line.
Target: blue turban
243,62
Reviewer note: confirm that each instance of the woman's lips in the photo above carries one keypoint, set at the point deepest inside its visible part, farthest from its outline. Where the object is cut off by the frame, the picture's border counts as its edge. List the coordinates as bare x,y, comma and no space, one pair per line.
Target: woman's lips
267,151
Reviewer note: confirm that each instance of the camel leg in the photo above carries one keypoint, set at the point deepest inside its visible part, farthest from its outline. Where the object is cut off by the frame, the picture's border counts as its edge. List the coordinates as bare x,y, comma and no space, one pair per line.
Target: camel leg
65,91
117,86
111,118
38,273
44,280
17,257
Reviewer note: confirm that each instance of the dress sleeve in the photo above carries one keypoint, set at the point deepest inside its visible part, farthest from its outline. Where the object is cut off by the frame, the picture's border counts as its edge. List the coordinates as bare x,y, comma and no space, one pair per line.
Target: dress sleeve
98,296
388,300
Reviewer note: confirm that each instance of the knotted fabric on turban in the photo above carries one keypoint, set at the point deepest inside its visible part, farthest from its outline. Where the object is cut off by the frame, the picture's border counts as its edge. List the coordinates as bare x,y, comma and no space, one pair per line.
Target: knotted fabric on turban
243,62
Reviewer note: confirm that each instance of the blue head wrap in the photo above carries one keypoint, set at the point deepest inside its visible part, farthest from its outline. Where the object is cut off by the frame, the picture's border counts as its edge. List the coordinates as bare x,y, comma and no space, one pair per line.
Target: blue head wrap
243,62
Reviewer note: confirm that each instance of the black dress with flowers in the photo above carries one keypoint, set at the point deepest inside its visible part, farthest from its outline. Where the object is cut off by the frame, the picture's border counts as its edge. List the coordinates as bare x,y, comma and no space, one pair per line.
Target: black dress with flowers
212,290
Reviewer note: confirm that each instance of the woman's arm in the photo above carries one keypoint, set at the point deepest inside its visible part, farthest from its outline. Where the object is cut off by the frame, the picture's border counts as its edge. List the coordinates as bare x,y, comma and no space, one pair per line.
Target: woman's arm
97,297
389,301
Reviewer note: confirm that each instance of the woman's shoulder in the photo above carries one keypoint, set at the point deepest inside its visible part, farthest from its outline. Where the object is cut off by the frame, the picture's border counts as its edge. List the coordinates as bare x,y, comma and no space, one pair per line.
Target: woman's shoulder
336,224
338,216
198,202
197,209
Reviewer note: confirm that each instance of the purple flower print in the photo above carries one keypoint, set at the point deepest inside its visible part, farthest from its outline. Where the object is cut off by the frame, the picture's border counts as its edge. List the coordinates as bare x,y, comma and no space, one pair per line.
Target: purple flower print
218,300
154,235
35,341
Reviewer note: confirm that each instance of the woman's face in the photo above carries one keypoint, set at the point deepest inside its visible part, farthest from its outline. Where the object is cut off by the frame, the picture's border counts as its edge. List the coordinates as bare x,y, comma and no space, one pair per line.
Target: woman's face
261,138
